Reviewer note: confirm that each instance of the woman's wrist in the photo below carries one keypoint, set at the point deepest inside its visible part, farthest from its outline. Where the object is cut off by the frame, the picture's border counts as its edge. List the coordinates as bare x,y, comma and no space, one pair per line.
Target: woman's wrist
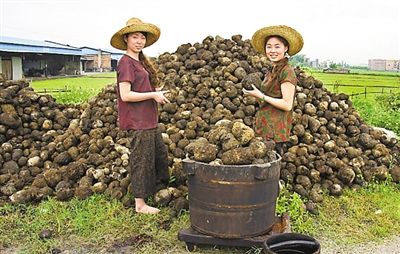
262,97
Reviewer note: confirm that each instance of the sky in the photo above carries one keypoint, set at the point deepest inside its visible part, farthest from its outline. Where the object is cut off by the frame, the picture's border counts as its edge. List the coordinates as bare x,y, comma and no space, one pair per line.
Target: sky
350,31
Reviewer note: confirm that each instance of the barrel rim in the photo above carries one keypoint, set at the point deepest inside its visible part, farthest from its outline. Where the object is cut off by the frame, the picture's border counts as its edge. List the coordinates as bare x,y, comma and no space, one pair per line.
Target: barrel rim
261,165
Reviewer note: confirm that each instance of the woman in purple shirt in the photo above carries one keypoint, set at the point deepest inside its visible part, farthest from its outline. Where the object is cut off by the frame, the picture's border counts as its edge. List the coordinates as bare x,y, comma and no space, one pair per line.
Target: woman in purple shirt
137,98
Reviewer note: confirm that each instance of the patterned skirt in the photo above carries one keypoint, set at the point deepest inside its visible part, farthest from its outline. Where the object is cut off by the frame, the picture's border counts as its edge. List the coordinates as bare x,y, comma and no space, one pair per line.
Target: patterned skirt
148,162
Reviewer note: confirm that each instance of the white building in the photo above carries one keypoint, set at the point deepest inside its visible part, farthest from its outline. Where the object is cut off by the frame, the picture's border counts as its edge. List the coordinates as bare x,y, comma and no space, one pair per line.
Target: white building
384,65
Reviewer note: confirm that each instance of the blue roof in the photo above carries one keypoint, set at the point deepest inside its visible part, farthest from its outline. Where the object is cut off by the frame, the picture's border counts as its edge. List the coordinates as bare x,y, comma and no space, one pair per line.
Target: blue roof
92,51
115,55
115,51
11,44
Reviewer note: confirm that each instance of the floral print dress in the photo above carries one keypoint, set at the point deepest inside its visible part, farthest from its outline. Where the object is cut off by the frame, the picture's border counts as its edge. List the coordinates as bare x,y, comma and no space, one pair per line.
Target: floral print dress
272,123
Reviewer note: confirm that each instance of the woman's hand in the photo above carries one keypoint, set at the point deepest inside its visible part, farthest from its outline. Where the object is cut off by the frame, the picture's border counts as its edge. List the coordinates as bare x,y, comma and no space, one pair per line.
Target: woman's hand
159,88
255,92
159,97
285,103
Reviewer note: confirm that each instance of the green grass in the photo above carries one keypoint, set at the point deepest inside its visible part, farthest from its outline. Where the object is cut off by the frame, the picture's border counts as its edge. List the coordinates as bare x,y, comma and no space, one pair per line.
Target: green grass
372,213
364,80
370,72
98,223
376,114
79,89
292,204
369,106
94,219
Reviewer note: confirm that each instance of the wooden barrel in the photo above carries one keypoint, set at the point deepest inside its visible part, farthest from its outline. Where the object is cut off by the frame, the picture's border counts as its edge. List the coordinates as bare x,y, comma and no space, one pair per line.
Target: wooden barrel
232,201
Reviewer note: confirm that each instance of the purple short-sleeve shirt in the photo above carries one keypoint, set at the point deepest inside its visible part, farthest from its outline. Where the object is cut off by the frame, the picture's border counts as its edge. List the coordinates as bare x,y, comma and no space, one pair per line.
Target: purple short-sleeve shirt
135,115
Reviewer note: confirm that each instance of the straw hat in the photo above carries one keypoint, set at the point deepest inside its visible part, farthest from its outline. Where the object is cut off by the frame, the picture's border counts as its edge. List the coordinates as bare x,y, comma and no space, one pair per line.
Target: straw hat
135,25
293,37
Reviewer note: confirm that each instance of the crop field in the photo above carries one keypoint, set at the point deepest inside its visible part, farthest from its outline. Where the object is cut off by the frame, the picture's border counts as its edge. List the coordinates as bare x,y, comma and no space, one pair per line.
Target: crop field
373,83
74,90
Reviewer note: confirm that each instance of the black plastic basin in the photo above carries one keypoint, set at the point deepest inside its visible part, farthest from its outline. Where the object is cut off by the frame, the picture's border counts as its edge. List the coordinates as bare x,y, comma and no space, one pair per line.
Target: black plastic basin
291,243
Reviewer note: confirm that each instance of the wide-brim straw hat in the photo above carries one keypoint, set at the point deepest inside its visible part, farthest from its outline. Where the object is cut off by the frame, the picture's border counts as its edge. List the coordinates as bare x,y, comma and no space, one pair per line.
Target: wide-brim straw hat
293,37
135,25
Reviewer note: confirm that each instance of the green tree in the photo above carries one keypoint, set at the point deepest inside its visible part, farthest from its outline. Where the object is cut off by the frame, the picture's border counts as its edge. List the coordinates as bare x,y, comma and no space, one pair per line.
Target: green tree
298,60
333,65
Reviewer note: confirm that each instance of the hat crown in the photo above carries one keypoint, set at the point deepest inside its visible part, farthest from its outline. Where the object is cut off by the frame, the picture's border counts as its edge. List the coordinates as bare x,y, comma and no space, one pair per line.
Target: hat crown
135,25
133,21
293,37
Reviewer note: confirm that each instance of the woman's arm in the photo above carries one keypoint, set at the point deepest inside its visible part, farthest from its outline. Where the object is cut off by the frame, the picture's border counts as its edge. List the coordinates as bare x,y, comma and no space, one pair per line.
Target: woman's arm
285,104
130,96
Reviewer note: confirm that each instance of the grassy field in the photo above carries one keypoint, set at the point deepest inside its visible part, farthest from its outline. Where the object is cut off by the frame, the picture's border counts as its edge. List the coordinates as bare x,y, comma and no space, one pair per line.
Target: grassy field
74,90
387,82
370,213
369,72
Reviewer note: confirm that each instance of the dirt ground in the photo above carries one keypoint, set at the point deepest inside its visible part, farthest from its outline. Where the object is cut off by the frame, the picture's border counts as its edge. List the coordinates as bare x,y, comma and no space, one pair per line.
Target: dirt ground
388,246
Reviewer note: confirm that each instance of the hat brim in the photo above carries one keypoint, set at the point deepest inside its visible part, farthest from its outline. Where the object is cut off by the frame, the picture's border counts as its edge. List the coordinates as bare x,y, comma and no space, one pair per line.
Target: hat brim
293,37
152,35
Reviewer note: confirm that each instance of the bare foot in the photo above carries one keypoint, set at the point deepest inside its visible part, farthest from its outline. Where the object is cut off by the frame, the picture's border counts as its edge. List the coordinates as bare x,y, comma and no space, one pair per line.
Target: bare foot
147,210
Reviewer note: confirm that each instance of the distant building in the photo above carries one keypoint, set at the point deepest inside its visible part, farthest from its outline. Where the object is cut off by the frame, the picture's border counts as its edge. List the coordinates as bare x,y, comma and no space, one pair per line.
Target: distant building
99,60
314,63
323,64
384,65
392,65
20,58
115,56
95,60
